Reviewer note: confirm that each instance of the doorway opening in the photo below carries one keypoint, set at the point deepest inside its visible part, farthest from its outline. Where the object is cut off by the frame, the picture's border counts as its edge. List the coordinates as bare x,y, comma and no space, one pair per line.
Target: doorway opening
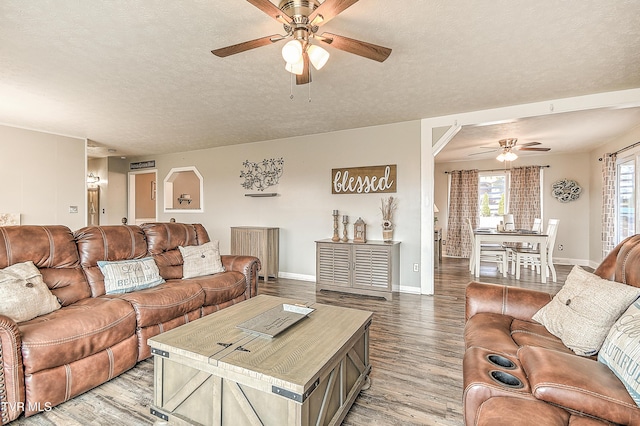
143,197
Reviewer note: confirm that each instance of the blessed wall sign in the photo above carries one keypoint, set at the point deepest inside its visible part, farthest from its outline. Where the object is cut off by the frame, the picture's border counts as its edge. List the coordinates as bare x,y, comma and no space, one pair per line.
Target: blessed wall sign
364,180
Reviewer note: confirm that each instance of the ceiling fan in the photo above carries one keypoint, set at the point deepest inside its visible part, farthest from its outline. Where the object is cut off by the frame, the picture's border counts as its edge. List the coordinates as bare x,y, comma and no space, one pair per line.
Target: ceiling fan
507,146
301,20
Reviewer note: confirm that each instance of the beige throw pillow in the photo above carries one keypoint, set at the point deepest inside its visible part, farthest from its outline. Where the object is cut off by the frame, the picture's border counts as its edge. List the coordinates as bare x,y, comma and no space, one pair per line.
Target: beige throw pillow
621,348
23,293
201,260
125,276
585,308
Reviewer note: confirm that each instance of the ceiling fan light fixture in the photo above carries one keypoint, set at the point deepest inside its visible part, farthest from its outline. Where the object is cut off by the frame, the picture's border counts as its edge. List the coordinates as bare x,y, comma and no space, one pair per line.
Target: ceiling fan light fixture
506,156
292,51
318,56
295,68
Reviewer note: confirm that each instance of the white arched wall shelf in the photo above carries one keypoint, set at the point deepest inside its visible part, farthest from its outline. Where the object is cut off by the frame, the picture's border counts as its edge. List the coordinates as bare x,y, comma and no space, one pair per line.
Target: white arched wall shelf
183,191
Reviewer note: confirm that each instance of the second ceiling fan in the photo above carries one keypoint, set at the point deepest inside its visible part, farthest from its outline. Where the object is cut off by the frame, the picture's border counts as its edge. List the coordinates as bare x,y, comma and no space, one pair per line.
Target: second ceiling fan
301,20
507,146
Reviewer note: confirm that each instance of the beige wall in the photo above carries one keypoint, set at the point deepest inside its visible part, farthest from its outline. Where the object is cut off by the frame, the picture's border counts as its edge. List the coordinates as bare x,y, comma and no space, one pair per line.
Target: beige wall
116,198
304,203
42,175
575,217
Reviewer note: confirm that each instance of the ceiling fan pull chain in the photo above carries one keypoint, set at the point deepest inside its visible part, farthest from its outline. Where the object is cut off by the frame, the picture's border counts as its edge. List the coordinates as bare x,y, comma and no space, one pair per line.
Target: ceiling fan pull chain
309,86
291,89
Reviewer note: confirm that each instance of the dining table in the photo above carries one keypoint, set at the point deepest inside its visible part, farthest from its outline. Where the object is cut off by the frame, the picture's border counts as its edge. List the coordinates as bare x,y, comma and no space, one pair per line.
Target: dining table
490,235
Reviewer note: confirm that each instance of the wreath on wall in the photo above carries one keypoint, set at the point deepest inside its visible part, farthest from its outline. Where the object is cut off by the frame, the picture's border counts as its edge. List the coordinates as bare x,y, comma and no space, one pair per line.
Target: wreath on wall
566,190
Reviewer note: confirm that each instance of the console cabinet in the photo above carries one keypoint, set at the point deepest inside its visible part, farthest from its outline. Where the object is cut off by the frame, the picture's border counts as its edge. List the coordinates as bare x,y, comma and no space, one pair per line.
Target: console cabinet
370,268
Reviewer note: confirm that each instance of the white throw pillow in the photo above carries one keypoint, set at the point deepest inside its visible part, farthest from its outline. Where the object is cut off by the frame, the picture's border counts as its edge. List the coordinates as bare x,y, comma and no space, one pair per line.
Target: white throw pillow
621,350
585,308
125,276
201,260
23,293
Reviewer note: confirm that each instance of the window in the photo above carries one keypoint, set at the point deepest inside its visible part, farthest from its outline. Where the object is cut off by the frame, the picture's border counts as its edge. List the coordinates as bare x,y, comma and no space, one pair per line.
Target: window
626,217
493,197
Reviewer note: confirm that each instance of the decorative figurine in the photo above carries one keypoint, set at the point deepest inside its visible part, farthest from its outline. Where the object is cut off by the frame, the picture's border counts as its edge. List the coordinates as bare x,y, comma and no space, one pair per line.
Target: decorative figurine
359,231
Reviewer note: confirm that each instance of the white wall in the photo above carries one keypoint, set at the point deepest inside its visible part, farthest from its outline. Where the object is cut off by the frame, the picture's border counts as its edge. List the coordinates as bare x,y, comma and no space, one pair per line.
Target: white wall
302,210
573,232
42,175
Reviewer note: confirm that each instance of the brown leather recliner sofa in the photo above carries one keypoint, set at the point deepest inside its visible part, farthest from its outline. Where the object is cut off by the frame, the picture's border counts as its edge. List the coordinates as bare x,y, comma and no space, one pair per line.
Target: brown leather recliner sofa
94,337
517,373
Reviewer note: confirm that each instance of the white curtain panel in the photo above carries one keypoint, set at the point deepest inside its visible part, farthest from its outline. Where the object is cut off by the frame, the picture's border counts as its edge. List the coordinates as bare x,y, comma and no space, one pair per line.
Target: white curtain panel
608,203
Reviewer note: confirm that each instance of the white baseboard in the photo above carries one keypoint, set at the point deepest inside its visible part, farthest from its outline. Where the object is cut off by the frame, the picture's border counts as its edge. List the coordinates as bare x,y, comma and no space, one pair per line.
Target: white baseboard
312,278
568,261
410,290
300,277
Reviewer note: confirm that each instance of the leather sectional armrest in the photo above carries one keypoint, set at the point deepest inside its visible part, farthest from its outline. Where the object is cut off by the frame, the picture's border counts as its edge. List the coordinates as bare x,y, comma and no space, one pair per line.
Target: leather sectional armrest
248,265
516,302
12,390
578,384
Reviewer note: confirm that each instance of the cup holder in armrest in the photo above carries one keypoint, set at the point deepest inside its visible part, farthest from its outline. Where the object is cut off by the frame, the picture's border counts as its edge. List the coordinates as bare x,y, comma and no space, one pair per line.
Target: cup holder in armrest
506,379
500,361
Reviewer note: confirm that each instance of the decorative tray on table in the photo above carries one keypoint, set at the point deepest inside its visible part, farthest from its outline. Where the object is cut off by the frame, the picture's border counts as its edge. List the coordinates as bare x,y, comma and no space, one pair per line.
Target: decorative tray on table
276,320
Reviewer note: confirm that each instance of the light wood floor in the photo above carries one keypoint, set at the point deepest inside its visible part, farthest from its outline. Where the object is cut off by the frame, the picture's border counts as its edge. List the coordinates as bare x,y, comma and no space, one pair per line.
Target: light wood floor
416,356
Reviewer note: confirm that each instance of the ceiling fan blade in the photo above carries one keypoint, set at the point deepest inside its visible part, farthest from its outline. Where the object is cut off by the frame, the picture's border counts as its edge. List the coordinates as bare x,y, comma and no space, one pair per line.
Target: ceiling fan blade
329,10
247,45
357,47
530,144
305,77
483,152
534,149
270,9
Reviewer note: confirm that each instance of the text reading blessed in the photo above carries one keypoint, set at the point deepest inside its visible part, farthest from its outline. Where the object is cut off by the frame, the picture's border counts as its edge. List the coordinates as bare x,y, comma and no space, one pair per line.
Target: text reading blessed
364,180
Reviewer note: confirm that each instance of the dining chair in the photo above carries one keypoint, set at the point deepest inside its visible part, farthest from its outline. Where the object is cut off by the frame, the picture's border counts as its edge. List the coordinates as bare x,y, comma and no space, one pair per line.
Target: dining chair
494,253
537,225
511,256
508,222
532,256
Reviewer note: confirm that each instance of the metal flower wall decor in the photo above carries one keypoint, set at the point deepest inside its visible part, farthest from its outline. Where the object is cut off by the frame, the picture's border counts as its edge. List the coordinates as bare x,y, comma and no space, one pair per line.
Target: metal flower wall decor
566,190
260,176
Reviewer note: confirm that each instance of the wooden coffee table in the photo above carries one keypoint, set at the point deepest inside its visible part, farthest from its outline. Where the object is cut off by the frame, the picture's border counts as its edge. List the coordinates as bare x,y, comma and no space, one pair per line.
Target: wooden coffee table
211,372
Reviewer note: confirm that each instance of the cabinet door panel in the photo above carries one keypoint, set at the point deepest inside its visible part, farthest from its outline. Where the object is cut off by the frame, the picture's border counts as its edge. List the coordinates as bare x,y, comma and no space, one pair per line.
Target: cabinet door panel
334,264
371,267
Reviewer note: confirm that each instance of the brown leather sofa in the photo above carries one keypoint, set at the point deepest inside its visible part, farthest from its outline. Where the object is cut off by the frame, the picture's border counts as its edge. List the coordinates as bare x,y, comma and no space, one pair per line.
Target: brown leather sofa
95,337
512,364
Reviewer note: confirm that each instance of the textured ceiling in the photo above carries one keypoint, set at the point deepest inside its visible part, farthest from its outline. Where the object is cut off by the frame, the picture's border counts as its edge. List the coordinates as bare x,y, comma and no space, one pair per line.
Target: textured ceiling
139,77
580,131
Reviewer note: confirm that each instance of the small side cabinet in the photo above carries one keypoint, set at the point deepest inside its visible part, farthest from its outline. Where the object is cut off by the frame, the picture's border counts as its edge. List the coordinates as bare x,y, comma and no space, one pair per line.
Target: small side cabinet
370,268
260,242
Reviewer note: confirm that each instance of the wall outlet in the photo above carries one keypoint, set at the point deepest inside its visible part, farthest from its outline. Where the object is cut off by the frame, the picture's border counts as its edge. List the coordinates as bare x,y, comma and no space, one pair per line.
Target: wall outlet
560,247
416,267
73,209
